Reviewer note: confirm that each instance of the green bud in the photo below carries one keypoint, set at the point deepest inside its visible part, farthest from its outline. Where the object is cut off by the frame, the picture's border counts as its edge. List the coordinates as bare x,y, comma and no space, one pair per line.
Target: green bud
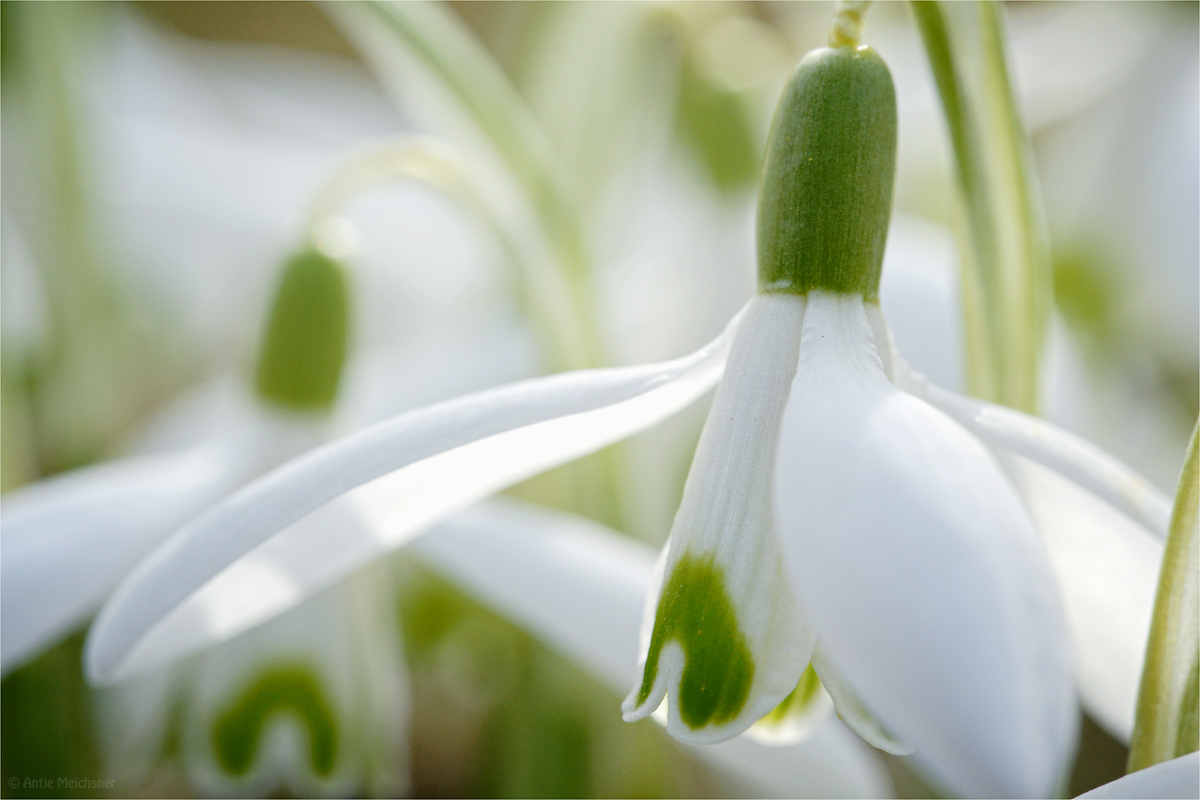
826,194
304,347
713,121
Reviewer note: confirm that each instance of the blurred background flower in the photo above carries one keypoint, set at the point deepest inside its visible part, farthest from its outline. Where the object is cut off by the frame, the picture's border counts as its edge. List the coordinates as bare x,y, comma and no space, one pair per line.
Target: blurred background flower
163,160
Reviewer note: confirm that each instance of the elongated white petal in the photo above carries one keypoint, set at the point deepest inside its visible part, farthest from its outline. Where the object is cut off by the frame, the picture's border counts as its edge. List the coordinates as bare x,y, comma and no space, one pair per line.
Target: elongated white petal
68,541
1065,453
726,643
580,588
1107,567
1179,777
920,570
441,459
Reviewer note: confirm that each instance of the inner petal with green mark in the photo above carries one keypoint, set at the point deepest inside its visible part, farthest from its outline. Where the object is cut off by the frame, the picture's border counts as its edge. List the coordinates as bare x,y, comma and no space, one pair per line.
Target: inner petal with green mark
291,690
695,610
807,690
797,716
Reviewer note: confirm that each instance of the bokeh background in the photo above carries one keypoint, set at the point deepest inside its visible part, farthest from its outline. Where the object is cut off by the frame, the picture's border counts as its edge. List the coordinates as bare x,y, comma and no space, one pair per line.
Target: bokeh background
160,161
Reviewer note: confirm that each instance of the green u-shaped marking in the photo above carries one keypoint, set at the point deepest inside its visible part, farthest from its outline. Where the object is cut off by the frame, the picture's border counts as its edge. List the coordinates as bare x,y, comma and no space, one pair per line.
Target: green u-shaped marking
282,689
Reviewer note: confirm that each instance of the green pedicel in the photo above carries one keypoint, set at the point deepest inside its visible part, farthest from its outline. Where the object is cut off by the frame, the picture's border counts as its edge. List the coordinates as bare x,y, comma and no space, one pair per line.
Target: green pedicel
304,348
292,690
826,194
695,608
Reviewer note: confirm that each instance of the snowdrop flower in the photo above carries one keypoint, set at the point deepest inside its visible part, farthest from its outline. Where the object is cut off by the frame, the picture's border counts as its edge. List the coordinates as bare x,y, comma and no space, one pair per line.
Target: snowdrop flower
831,516
916,573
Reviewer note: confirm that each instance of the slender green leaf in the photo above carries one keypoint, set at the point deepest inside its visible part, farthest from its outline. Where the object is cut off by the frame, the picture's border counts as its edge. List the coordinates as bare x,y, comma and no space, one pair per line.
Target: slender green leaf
1006,278
1166,722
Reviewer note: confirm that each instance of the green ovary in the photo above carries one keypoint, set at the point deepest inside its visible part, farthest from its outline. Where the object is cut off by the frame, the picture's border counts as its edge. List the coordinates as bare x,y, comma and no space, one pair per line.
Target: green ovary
290,690
696,610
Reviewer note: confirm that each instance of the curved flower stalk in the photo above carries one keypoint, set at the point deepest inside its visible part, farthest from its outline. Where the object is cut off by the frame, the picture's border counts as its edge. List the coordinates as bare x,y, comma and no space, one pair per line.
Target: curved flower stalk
830,516
431,37
212,159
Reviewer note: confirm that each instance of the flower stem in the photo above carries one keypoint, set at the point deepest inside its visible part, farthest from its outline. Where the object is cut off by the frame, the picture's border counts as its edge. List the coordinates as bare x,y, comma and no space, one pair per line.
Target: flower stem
848,23
436,164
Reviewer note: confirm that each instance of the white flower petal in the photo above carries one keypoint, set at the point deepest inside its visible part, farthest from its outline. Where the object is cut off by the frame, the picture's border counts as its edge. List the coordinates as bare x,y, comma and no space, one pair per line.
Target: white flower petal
1067,454
1107,567
580,588
135,720
832,763
1179,777
727,643
919,569
440,459
852,711
68,541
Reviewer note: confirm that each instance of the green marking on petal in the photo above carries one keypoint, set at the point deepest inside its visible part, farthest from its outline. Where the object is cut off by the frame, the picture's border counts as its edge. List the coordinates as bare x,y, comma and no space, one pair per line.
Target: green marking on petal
696,610
300,363
798,700
284,689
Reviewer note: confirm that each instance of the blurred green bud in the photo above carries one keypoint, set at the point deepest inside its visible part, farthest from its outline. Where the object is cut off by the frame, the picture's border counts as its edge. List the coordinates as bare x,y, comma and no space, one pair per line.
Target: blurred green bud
304,346
714,121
